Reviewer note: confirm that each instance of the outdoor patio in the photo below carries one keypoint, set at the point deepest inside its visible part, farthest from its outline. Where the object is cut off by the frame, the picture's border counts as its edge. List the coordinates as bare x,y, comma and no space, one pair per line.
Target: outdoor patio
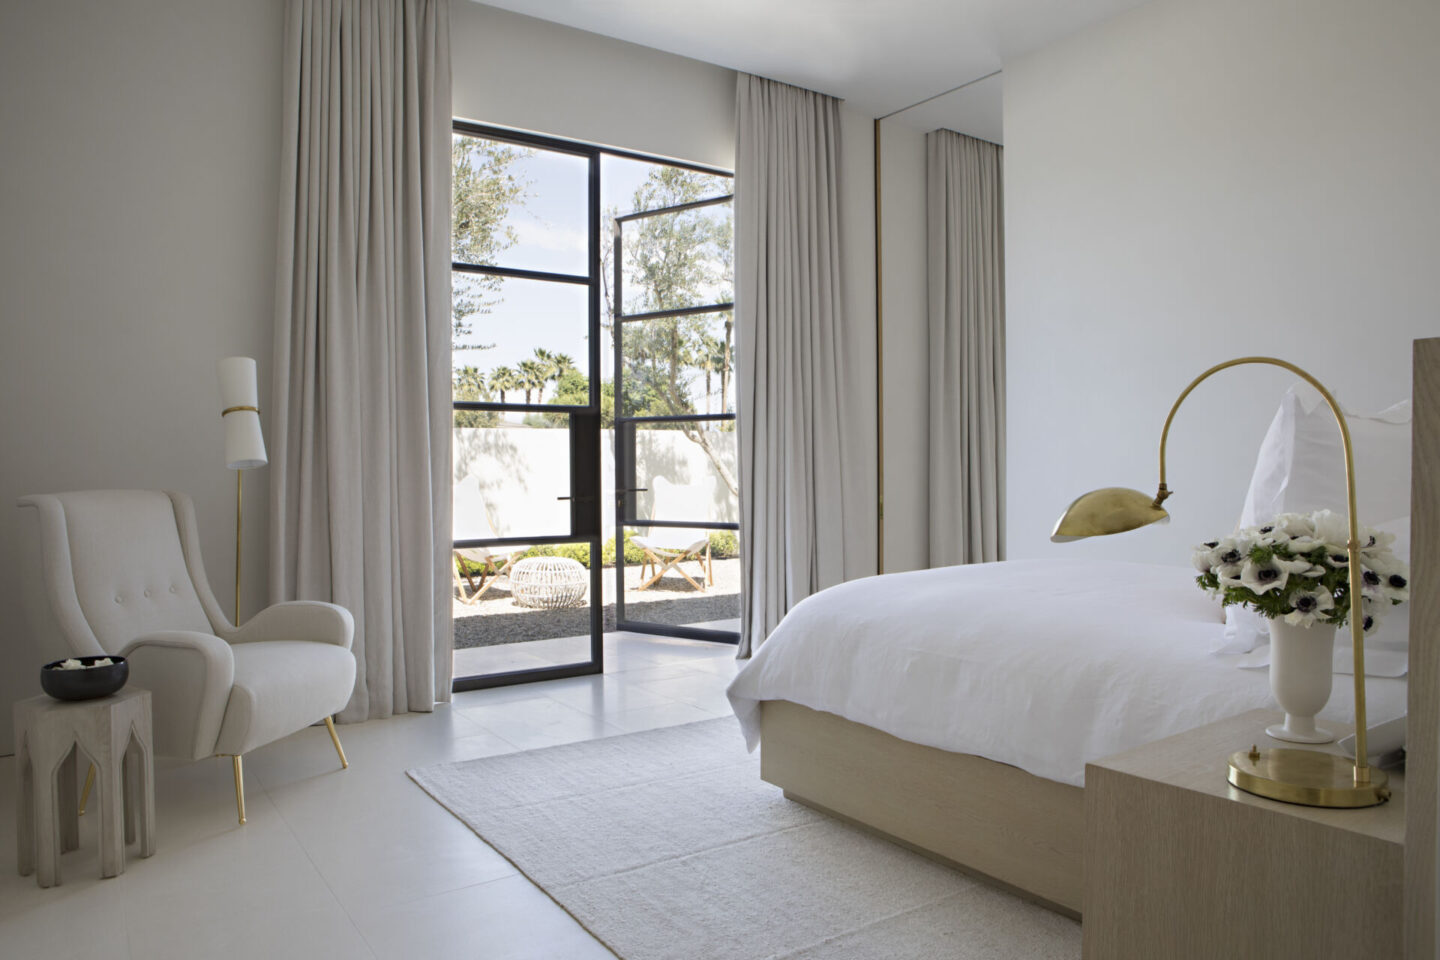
495,633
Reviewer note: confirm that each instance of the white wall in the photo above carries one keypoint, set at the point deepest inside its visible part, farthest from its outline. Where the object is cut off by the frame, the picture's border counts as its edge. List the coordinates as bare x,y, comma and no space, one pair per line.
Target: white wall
138,208
1194,181
517,71
517,475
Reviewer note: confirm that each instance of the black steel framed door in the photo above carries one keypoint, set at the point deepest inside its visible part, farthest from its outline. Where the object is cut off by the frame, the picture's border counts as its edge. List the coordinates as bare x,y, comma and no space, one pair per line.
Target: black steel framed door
527,473
656,498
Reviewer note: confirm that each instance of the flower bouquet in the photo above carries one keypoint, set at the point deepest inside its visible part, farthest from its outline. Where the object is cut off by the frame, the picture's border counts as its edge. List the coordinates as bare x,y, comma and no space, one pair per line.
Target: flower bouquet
1295,572
1297,568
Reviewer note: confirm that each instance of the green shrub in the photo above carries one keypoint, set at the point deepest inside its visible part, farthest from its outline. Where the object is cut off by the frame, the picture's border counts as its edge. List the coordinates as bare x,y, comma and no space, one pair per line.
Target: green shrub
575,551
469,568
633,553
723,545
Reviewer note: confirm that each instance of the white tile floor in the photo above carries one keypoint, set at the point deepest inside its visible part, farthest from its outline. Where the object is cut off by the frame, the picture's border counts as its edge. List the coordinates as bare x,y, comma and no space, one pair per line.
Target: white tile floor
357,863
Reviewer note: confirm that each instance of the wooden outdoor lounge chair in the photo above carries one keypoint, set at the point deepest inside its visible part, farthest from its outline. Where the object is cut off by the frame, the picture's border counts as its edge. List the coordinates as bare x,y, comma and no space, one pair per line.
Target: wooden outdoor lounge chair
471,521
666,548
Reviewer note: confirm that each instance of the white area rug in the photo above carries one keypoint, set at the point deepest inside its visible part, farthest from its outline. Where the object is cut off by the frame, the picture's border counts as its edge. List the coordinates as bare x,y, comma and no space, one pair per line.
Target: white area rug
666,845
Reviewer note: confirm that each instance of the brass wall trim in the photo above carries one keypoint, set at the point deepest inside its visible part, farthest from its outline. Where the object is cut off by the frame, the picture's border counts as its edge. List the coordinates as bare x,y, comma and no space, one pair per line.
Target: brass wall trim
229,410
879,371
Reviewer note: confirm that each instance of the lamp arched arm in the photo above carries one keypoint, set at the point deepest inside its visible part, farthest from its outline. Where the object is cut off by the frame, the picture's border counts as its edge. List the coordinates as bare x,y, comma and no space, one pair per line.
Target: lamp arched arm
1357,628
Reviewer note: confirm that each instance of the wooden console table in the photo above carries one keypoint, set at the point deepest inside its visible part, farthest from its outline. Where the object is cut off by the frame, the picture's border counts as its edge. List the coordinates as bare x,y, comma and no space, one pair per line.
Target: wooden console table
1179,864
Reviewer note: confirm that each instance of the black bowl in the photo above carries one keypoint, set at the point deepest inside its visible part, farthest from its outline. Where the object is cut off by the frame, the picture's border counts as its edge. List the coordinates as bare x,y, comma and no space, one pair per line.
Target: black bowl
90,683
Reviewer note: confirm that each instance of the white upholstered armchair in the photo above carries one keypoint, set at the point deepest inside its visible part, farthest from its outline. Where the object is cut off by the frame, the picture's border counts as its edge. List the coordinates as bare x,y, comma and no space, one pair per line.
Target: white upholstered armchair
123,575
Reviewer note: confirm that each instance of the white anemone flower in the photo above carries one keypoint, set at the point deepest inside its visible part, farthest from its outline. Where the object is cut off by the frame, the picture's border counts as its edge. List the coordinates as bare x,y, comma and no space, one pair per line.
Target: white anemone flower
1386,578
1264,577
1375,541
1295,525
1203,556
1229,574
1310,606
1331,528
1304,544
1232,550
1268,534
1372,614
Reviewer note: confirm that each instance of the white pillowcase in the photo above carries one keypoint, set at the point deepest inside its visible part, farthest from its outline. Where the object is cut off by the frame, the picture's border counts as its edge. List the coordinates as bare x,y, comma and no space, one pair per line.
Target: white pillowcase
1300,468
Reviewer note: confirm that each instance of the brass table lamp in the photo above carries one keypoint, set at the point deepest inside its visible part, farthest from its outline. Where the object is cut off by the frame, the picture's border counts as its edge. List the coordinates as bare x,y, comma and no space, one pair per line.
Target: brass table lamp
1308,777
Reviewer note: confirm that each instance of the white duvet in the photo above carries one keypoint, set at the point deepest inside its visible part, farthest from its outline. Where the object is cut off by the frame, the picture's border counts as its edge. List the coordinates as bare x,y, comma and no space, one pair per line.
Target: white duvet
1042,664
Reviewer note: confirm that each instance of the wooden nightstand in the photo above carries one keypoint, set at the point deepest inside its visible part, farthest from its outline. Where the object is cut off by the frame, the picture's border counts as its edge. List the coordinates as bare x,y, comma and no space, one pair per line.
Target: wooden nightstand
1180,864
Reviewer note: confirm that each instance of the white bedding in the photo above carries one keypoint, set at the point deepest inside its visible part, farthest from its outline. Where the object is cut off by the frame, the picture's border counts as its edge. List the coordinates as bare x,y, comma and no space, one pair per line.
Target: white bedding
1042,664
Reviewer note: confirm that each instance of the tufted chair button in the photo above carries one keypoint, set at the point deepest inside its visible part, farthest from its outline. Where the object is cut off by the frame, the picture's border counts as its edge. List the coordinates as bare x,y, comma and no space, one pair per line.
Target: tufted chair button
117,598
147,593
172,588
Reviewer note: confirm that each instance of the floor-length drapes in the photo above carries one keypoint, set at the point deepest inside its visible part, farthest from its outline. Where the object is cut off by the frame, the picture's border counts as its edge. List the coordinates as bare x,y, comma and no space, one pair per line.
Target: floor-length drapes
966,273
790,350
360,484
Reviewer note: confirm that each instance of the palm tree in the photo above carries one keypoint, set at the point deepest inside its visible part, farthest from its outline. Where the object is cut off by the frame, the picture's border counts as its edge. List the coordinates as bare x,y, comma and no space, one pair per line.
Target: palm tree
502,379
533,376
563,362
552,366
545,370
712,360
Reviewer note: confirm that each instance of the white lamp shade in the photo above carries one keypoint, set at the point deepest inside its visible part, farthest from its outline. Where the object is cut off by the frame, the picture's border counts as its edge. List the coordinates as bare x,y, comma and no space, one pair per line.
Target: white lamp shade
244,443
237,383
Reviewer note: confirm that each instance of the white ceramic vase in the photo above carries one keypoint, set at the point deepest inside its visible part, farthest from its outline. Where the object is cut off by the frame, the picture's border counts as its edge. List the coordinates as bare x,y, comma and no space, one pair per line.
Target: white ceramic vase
1301,663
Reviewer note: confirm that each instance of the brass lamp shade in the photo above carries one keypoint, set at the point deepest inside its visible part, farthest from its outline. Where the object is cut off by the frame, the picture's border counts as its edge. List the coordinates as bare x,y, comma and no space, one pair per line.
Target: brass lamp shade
1105,511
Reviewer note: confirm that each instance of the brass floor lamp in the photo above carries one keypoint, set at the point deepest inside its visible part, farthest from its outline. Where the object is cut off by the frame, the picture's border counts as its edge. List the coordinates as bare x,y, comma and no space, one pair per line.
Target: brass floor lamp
1297,776
244,443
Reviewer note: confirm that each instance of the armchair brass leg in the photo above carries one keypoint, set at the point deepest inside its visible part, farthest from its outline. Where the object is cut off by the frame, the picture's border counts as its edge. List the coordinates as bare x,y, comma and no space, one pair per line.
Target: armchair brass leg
239,787
85,793
335,739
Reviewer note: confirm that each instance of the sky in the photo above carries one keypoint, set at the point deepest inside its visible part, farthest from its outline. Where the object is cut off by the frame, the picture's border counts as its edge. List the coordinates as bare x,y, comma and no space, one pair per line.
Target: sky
551,227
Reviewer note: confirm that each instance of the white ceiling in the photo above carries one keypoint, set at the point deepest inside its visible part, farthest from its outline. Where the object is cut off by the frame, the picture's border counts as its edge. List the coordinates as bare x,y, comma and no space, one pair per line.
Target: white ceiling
880,55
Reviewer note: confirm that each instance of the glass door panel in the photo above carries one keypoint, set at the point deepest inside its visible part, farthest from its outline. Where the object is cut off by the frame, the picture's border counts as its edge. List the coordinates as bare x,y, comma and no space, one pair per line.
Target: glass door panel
526,445
521,335
520,206
676,366
672,274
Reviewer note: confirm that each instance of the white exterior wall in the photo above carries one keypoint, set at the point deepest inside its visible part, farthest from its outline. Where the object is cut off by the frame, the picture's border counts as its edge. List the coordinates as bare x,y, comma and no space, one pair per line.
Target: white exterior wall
517,474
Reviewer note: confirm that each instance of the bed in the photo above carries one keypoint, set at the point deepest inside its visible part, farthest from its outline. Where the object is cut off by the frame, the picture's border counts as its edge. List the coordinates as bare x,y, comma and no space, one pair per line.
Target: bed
954,709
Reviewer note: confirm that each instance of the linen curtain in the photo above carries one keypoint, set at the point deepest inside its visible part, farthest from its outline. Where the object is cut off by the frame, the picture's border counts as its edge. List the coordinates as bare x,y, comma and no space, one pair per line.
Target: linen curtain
966,299
360,486
790,351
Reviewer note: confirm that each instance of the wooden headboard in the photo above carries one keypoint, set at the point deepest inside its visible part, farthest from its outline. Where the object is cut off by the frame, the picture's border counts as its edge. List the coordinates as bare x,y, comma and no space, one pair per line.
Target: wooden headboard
1422,774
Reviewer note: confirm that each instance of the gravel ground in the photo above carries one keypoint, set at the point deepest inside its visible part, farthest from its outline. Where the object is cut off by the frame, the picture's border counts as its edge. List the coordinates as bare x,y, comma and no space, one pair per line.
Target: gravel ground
498,619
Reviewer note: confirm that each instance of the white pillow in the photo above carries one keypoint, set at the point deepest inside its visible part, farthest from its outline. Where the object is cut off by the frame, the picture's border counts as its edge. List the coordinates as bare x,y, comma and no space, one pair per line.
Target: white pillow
1300,468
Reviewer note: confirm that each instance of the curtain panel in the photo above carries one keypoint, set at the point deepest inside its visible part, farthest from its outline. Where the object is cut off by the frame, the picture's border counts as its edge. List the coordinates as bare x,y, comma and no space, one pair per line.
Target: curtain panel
966,300
790,345
360,486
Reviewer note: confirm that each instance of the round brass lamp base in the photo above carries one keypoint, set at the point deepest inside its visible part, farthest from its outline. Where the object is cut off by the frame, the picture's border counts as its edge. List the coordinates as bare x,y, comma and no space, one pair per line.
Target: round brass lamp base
1307,777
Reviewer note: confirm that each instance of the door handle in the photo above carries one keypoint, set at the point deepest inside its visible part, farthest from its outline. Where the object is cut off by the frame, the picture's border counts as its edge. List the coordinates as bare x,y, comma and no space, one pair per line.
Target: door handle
578,499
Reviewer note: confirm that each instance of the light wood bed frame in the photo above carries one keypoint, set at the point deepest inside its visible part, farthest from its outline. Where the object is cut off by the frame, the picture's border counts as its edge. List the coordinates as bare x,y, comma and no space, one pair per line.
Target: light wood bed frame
983,817
1026,832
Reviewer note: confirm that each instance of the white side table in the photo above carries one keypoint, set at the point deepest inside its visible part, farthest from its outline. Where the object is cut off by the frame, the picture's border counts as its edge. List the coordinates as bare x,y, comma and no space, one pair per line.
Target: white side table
51,737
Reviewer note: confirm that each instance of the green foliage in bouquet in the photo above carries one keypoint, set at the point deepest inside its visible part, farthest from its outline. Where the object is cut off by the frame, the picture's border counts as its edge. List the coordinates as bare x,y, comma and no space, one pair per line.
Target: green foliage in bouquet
1298,568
